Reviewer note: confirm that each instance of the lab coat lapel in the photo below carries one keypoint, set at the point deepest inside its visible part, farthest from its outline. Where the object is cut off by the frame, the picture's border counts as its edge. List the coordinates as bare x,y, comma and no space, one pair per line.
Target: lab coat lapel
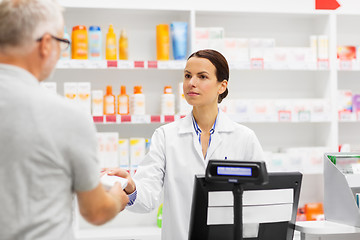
215,143
198,147
223,124
187,127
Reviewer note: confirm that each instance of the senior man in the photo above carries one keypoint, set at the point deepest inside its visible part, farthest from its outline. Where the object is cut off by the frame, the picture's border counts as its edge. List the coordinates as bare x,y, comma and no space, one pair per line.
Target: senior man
47,146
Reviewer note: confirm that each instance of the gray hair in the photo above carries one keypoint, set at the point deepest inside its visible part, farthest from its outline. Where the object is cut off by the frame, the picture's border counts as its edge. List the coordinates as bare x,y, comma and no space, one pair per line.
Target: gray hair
24,21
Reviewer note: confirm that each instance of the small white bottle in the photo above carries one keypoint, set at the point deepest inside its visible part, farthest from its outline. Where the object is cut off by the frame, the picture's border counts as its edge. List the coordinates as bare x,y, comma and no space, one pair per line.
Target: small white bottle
97,102
168,102
137,106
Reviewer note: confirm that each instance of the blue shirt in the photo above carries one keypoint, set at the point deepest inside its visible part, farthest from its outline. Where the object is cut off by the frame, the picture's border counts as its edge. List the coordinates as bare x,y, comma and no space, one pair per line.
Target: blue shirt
198,130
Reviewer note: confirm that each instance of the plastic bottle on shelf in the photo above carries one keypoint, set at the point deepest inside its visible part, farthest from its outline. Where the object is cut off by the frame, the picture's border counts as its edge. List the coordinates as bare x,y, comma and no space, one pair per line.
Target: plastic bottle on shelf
95,43
110,48
79,43
162,42
123,46
137,106
97,105
168,102
66,55
179,36
123,102
109,102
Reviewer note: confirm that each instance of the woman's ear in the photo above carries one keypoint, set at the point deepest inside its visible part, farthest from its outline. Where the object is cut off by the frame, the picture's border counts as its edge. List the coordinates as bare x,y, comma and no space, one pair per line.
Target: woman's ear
223,86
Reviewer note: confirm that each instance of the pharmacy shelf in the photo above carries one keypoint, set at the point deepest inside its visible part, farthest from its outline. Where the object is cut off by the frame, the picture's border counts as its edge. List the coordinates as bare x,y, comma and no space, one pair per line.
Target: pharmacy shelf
348,77
135,119
349,117
254,64
121,64
149,119
348,65
256,78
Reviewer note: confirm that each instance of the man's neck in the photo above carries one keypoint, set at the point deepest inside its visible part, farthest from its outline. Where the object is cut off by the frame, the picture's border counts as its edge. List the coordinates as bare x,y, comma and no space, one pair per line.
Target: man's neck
25,62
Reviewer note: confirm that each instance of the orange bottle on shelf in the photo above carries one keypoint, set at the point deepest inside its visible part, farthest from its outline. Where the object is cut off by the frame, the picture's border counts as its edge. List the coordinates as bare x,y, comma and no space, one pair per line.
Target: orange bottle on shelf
162,42
123,46
109,102
110,45
123,102
79,43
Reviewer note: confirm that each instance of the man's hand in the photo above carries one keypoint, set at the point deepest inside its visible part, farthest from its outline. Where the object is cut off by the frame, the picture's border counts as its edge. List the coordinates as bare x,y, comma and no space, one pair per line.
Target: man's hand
118,193
131,187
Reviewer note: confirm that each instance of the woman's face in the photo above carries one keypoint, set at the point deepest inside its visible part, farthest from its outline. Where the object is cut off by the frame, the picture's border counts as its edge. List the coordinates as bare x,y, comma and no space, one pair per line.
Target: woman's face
201,87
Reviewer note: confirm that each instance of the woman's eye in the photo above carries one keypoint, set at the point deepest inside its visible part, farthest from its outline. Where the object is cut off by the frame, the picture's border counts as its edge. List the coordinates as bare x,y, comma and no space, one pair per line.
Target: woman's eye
187,76
202,77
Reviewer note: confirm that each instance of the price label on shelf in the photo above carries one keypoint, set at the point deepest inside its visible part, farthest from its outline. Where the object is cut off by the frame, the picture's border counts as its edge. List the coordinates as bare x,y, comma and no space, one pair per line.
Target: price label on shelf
257,63
110,118
61,64
125,118
304,116
284,116
98,119
155,119
169,118
178,64
323,64
345,64
345,116
140,119
112,64
139,64
96,64
78,63
125,64
163,64
152,64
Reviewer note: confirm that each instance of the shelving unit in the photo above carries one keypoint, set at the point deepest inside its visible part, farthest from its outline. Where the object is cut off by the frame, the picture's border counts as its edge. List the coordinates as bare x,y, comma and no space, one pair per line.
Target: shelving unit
289,25
348,78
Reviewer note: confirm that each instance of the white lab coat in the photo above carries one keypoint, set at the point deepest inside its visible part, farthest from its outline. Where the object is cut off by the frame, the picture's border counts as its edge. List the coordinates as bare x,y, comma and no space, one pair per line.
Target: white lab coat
175,156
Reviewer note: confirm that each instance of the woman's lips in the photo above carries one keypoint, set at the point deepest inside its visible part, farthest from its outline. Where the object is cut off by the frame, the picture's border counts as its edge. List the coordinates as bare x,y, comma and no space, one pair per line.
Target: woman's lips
193,94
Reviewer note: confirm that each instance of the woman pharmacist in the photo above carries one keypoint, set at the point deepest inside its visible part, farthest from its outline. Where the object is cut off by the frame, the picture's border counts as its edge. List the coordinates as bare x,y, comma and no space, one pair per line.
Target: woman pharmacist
181,149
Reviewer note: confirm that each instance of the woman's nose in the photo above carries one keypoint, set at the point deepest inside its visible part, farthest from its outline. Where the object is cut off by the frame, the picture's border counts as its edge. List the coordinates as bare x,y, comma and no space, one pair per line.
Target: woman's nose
192,81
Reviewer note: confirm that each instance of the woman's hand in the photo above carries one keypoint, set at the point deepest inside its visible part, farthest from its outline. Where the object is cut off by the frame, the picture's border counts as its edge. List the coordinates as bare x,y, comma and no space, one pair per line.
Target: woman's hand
131,187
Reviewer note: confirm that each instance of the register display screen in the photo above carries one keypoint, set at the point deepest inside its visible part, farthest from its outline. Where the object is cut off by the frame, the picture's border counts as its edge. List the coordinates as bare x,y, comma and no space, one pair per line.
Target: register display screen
234,171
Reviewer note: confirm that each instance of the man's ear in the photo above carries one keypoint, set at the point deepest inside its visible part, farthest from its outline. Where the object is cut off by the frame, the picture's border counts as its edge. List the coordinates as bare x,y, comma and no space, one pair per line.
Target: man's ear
223,86
45,46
